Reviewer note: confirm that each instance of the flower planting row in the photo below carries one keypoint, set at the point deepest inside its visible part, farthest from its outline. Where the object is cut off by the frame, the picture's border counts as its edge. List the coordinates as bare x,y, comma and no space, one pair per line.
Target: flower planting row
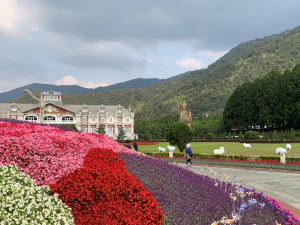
47,153
103,192
96,186
65,128
110,184
23,202
188,198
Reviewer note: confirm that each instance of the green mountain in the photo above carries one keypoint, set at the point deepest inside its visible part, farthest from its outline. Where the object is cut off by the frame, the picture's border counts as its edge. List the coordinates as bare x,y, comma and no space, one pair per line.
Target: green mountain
206,90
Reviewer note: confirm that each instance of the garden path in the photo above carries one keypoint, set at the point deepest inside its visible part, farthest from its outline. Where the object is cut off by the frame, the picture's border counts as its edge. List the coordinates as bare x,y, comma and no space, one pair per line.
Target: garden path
284,187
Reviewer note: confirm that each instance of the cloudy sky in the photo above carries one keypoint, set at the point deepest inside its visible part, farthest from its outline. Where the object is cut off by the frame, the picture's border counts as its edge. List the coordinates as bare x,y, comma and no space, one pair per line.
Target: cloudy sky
97,43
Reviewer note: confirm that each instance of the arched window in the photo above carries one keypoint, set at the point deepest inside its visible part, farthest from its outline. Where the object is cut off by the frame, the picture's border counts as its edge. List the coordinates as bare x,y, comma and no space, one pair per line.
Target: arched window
49,119
84,129
93,129
127,130
110,130
31,119
67,119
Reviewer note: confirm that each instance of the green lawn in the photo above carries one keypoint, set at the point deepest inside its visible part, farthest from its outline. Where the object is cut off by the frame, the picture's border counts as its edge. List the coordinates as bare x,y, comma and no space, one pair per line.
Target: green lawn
231,148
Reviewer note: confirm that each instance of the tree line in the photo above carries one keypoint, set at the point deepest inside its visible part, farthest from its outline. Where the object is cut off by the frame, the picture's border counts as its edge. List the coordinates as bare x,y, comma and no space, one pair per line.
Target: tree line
271,102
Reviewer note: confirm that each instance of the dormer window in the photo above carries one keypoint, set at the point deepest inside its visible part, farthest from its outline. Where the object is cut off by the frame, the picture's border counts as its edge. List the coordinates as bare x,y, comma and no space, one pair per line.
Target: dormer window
102,109
13,109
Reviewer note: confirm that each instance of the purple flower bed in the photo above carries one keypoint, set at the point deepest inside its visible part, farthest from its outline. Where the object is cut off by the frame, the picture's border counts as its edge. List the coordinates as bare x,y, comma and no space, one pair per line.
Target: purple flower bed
189,198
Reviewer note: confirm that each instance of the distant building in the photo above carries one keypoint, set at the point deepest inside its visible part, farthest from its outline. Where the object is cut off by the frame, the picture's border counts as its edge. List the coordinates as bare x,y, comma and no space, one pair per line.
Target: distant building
185,115
86,118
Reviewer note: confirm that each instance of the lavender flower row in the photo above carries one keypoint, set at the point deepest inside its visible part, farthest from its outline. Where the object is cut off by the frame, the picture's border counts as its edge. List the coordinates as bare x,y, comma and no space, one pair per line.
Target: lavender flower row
189,198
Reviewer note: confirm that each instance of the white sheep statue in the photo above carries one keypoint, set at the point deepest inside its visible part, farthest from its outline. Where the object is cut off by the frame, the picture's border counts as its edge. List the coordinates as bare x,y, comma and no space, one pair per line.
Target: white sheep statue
219,151
171,150
288,147
280,151
161,149
247,145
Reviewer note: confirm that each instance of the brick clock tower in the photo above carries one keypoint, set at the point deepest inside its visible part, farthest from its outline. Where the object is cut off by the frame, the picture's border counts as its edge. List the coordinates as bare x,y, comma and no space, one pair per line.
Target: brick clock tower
185,115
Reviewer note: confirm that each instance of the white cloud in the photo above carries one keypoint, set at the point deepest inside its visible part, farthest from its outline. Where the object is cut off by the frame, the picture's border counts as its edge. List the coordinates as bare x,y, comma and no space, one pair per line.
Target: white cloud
190,63
17,17
70,80
8,16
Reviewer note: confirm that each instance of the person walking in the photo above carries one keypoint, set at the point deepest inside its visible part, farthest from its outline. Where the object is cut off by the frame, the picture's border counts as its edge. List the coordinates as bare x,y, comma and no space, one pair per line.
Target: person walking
127,145
135,146
188,154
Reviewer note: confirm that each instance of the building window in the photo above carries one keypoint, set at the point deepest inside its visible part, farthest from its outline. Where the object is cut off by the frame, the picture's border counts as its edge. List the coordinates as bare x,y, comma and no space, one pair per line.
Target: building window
127,130
119,119
84,129
127,120
119,110
13,117
110,120
102,120
14,109
55,98
102,111
84,119
31,118
67,119
93,119
110,130
93,129
49,119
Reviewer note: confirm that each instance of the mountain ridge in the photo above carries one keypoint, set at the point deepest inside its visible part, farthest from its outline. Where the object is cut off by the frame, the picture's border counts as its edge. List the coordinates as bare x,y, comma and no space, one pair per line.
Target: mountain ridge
76,89
207,90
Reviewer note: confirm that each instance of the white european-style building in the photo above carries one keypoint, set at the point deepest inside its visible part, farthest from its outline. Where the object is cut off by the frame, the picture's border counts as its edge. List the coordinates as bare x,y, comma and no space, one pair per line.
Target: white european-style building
86,118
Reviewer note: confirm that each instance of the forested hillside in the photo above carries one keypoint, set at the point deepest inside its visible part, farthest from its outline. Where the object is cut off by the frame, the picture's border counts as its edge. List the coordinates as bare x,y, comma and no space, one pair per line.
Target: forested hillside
270,102
205,90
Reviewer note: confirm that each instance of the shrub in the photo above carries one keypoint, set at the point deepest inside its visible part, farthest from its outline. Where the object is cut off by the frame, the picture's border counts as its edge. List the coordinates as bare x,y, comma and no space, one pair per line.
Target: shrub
251,135
275,136
210,136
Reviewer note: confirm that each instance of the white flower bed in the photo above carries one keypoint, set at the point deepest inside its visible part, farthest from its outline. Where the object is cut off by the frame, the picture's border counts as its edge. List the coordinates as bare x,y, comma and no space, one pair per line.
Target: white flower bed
23,202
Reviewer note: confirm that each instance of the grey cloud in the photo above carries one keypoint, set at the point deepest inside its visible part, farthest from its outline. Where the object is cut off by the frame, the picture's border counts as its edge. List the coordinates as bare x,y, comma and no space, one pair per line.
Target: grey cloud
12,69
88,61
214,24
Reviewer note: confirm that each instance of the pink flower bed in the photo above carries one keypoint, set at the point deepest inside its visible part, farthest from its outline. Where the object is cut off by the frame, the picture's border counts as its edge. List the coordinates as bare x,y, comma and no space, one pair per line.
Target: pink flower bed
47,153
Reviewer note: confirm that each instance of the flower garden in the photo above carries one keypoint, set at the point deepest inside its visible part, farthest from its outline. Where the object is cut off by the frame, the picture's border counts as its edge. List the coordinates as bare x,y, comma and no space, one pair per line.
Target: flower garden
51,176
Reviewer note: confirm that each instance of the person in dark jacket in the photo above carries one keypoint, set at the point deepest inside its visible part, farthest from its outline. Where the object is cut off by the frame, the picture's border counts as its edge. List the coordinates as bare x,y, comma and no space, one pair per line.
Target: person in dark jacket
127,145
135,146
188,154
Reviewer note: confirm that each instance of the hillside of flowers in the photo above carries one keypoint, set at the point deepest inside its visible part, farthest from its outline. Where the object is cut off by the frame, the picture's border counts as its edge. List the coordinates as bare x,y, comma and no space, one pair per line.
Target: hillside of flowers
51,176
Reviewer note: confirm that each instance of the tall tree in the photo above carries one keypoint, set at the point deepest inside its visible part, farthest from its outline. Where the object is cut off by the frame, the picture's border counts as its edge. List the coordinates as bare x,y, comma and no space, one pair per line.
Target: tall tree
179,134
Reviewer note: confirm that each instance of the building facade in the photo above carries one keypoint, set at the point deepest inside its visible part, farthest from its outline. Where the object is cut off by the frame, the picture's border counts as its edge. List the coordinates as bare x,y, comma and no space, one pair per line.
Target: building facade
86,118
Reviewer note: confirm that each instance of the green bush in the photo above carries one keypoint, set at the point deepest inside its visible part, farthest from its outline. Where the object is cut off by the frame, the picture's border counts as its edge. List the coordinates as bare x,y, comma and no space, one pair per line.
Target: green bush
251,135
210,136
275,136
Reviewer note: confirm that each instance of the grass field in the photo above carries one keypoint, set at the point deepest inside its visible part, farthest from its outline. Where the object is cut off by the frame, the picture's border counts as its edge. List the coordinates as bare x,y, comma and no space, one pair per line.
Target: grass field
231,148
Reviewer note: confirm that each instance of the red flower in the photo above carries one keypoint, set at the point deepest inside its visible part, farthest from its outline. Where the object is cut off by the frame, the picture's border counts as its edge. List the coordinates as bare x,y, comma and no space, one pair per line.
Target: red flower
103,192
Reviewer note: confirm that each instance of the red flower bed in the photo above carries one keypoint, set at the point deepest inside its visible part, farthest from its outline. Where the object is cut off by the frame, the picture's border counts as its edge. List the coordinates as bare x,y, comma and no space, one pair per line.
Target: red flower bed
103,192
